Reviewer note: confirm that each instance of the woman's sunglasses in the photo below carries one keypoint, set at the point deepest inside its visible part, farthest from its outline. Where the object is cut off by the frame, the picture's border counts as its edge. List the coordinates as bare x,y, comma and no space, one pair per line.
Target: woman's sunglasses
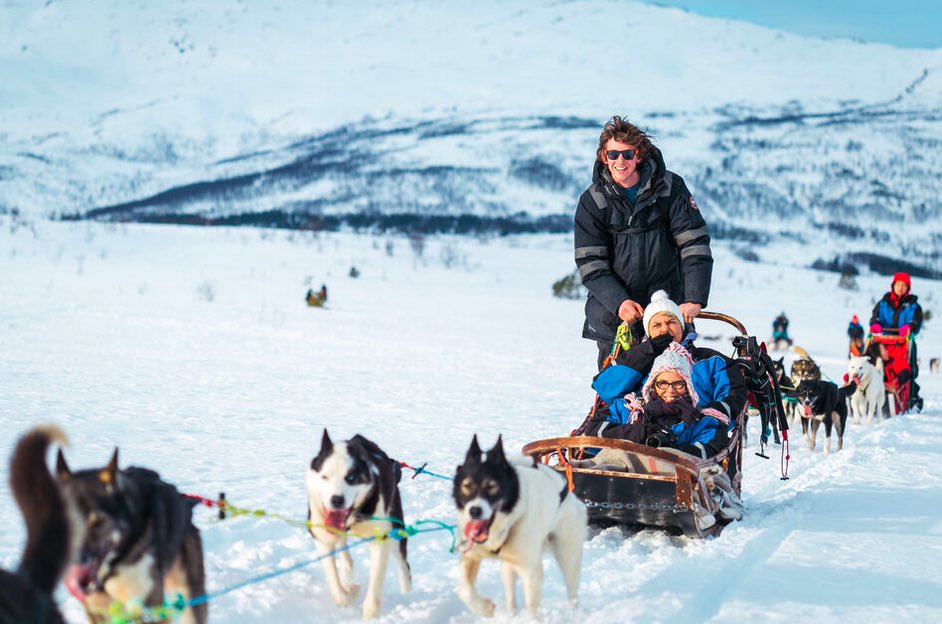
679,386
626,154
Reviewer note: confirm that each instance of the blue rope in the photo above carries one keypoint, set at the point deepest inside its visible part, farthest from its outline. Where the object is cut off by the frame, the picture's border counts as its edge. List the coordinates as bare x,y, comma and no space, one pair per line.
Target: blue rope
297,566
421,470
269,575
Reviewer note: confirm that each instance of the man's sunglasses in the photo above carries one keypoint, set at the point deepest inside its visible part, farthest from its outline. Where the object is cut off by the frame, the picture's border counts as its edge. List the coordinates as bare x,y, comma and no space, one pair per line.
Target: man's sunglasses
679,386
626,154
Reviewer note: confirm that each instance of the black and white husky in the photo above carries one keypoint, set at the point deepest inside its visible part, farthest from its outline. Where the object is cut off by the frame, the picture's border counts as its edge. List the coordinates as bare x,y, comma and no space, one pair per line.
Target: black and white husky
139,545
353,488
822,401
511,511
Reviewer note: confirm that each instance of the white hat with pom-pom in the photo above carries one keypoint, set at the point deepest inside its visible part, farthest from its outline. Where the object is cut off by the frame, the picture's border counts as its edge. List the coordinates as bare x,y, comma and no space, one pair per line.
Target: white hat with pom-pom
660,303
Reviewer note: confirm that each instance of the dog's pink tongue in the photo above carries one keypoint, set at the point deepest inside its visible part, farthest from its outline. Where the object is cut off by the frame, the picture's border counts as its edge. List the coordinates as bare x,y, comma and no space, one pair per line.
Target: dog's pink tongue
336,518
807,410
476,531
77,579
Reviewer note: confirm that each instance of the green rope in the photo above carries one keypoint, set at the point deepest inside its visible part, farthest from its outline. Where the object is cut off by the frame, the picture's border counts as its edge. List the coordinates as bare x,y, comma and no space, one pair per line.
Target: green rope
623,337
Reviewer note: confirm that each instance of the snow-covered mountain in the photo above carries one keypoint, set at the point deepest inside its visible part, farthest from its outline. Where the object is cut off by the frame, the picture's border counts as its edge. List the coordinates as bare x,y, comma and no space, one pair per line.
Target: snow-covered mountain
466,116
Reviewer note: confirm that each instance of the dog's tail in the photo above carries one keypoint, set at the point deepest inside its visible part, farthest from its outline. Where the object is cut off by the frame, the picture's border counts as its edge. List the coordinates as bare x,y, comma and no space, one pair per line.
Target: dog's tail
44,509
848,390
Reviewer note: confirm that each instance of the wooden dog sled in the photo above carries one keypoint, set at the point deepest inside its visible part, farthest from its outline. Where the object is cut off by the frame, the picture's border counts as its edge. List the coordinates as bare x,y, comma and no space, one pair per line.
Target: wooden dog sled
663,488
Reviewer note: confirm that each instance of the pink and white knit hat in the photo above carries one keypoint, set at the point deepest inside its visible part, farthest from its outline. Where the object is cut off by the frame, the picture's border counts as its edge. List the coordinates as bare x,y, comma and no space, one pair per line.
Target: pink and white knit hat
677,359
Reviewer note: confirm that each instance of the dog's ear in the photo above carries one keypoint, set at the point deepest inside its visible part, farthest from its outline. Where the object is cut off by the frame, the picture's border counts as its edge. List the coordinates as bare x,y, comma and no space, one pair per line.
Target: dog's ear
109,474
497,453
62,468
326,444
326,448
474,452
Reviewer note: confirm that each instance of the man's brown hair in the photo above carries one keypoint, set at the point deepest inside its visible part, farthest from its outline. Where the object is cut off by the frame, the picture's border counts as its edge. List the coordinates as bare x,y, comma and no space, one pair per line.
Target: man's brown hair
621,130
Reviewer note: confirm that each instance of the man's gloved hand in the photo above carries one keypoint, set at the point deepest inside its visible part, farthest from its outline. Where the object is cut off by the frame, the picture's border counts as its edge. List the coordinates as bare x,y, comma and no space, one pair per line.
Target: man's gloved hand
659,344
641,356
875,328
905,330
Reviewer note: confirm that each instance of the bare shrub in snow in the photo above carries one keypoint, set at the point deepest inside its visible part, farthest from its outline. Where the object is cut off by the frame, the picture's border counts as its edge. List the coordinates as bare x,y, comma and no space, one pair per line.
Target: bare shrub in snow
449,256
206,292
569,287
417,242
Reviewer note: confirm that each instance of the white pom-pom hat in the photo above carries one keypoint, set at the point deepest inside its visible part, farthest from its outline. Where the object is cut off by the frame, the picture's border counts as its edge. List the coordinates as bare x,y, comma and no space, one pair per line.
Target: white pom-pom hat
660,303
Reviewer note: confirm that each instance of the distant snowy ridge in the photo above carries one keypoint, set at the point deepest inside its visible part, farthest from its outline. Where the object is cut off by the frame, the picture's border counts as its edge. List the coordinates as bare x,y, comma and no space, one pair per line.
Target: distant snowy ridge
417,118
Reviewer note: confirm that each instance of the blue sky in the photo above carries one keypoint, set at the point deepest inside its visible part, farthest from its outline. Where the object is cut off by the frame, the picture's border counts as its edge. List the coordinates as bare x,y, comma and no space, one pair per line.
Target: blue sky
903,23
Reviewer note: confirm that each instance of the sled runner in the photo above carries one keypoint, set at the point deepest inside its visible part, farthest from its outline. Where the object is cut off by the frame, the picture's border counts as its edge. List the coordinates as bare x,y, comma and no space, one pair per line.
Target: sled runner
897,370
663,488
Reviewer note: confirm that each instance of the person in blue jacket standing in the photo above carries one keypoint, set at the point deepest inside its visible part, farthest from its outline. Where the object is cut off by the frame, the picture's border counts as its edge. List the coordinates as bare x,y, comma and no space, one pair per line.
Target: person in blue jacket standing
899,312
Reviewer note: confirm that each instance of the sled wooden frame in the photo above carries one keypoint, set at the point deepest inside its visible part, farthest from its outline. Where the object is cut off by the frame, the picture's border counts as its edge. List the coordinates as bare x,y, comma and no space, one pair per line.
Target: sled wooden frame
664,485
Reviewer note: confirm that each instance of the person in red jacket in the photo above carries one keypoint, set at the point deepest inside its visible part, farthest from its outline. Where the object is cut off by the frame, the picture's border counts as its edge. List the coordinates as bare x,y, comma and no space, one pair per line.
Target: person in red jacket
899,312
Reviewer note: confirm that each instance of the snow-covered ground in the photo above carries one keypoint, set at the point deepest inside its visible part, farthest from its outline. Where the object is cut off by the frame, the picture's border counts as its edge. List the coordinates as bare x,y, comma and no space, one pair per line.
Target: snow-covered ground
193,351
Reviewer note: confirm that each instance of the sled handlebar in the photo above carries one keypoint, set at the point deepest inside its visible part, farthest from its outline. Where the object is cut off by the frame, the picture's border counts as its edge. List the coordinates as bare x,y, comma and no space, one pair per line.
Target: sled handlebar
726,318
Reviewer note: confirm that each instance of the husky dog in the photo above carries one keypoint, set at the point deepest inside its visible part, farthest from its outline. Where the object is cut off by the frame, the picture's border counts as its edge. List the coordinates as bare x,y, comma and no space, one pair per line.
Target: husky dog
934,365
819,401
802,369
139,543
511,511
26,596
353,487
870,395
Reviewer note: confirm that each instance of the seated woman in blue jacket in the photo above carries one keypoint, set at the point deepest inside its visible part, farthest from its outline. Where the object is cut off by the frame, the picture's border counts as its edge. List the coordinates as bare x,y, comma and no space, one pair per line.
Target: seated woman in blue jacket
664,415
717,381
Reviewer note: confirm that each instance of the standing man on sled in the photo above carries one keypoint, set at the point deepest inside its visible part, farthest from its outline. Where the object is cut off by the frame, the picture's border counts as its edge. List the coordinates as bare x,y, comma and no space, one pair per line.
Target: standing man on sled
637,230
899,312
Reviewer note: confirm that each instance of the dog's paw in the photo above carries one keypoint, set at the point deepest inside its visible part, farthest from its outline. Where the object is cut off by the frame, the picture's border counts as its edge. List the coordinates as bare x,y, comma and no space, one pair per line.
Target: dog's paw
487,608
371,609
481,607
347,596
353,590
